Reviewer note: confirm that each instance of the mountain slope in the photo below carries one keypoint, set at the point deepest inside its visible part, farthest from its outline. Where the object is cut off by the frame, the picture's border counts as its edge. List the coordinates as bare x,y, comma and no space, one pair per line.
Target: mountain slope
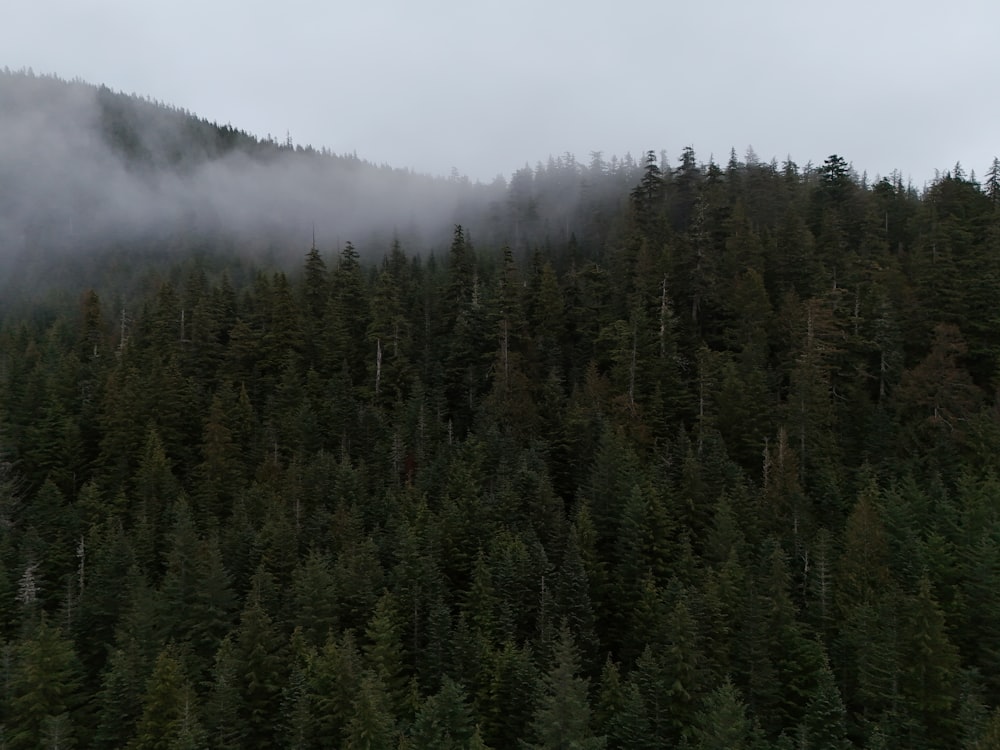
85,169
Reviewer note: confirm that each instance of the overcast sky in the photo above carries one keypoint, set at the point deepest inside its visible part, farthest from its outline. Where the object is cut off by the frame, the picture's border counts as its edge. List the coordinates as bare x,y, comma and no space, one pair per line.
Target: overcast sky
485,86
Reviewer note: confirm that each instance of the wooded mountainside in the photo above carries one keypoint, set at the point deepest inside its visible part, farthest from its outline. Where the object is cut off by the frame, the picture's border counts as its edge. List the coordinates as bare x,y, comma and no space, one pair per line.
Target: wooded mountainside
668,454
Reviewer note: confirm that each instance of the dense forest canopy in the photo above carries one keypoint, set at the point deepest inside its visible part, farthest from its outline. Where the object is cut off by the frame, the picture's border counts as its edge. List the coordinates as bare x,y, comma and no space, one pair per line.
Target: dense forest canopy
635,455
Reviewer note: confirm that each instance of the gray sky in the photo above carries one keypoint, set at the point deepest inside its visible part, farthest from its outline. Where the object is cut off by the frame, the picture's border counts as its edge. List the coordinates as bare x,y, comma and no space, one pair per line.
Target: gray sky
486,86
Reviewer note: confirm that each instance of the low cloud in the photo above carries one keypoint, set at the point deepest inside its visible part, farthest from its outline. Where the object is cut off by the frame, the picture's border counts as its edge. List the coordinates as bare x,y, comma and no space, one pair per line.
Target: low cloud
83,169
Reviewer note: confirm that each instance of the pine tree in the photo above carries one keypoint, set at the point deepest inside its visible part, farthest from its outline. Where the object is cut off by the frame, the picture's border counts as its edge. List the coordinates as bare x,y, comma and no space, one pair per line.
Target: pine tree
219,473
384,654
169,718
260,673
509,705
573,600
931,664
647,200
156,488
723,723
989,737
298,708
444,721
863,567
371,726
224,707
347,314
562,714
824,723
335,683
629,727
120,696
981,585
389,340
315,296
683,662
936,399
313,597
43,687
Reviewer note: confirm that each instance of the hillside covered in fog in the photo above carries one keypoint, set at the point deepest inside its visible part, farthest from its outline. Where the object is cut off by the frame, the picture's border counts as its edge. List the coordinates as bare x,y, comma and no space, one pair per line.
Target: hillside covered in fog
668,454
87,173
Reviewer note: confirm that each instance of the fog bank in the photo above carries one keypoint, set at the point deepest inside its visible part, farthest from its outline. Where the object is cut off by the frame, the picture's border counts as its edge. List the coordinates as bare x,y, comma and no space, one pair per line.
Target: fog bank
83,170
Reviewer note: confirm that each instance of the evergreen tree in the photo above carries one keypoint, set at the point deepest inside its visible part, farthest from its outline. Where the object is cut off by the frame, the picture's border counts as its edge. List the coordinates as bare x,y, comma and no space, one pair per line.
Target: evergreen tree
825,716
444,721
371,726
562,716
260,672
930,668
509,704
120,696
43,687
169,718
723,723
224,708
384,654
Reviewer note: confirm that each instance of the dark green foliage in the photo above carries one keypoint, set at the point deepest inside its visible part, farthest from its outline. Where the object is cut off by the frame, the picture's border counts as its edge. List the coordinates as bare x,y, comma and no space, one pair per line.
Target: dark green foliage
562,717
824,725
170,716
335,679
724,724
371,726
42,691
444,721
260,674
120,699
989,735
384,654
930,670
508,705
224,708
683,456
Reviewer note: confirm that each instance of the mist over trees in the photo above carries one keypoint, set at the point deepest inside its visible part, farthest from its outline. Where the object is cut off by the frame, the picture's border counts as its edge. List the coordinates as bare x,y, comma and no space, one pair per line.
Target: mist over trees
86,170
615,454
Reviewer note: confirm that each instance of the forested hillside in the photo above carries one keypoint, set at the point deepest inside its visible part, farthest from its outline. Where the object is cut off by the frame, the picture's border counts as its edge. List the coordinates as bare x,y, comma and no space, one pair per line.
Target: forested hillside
91,178
669,454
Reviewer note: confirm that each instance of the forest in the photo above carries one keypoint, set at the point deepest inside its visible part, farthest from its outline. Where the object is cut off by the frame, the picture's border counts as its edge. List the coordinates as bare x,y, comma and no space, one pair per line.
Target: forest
634,454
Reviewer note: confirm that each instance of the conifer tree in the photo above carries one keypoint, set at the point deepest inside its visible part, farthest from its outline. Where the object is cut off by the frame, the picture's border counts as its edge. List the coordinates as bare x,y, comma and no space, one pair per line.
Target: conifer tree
371,726
989,736
335,678
315,296
43,687
931,663
224,707
562,715
169,717
444,720
510,701
313,598
825,715
384,654
723,724
260,672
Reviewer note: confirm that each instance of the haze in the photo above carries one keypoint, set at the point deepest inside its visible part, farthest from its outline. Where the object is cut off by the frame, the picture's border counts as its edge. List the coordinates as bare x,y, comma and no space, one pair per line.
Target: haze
67,183
486,87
